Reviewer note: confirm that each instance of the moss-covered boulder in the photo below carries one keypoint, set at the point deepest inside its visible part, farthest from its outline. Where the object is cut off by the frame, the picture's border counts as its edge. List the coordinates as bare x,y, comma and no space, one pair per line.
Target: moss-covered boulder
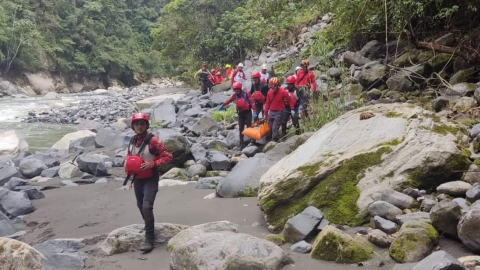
416,240
278,239
176,174
373,77
334,245
348,160
175,144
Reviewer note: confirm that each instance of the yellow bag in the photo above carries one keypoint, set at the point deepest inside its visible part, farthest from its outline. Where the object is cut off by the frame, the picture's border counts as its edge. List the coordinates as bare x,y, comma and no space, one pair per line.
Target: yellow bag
258,130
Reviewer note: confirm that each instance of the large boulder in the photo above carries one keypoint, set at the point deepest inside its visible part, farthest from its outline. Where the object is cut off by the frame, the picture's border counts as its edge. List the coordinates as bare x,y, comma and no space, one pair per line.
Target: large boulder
445,217
7,88
244,179
373,77
384,210
343,166
64,143
439,260
175,144
48,159
197,230
111,138
11,143
176,174
400,82
468,229
7,173
129,238
16,255
228,250
354,58
225,86
454,188
299,227
6,226
164,113
219,161
15,203
31,167
334,245
415,241
69,171
90,125
93,165
203,125
62,253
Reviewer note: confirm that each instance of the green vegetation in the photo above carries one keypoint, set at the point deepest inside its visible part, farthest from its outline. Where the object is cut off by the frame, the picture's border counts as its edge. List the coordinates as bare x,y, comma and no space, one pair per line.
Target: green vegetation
283,66
278,239
226,117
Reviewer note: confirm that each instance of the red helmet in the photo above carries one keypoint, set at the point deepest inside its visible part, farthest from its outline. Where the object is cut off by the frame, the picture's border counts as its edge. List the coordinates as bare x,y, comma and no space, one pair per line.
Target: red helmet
274,81
290,79
237,85
256,74
140,116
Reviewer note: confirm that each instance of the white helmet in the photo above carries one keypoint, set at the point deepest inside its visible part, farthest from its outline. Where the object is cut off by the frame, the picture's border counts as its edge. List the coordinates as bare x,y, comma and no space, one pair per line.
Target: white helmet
297,68
264,66
240,65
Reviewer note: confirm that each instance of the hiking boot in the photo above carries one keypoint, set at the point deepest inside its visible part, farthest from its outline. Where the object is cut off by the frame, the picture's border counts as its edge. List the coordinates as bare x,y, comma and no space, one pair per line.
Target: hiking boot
147,244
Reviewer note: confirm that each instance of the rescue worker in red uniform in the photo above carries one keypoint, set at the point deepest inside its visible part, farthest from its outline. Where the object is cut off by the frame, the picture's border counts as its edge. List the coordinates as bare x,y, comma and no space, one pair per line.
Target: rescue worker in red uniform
258,92
277,97
145,182
238,75
219,78
306,80
243,102
298,97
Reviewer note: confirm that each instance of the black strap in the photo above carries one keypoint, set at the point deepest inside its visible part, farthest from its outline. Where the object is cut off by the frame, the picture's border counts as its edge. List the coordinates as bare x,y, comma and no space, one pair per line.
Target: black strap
303,76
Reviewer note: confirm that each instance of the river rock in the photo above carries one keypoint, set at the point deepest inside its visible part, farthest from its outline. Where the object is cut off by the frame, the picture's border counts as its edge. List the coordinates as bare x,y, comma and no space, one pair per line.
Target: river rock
400,82
111,138
473,194
50,172
354,58
455,188
468,229
398,199
473,174
197,170
384,210
373,77
6,226
301,247
379,238
31,167
91,125
80,138
197,230
445,217
219,161
415,241
175,144
334,245
48,158
176,174
69,171
415,216
203,125
11,143
33,192
233,138
302,225
62,253
382,144
250,151
15,182
464,103
427,204
208,182
227,250
439,260
172,183
93,165
164,112
7,173
7,88
385,225
15,203
129,238
20,256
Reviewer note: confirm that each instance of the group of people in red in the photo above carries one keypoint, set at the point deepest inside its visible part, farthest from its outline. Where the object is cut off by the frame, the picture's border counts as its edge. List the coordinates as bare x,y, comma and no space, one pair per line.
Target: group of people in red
266,96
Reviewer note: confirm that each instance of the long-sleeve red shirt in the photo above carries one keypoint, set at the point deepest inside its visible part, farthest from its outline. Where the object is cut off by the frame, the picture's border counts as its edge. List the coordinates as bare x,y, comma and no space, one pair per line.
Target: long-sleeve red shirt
242,75
233,97
306,79
276,101
156,148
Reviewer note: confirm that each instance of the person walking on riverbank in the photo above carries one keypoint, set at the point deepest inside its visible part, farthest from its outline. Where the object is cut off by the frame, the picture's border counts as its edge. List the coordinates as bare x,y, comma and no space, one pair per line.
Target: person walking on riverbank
145,182
238,75
258,91
277,100
306,80
243,102
298,98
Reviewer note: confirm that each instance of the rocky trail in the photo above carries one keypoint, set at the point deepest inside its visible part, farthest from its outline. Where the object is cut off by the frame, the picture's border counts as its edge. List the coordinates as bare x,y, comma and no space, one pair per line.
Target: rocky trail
391,184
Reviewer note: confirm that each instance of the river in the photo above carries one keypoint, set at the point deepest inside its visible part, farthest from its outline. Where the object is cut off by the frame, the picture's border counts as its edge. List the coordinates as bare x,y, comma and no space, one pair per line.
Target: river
39,136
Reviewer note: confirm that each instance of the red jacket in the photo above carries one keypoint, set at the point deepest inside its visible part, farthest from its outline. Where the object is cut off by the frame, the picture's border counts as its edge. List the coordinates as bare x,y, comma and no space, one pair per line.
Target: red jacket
156,148
258,97
219,79
243,76
242,104
307,80
276,101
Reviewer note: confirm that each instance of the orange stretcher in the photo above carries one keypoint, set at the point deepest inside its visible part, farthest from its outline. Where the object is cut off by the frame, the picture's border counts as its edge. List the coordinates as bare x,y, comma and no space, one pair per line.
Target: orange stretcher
258,130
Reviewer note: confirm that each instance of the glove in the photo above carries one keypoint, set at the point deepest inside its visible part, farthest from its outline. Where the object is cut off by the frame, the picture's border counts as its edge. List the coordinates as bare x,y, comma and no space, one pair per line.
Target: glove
292,112
300,107
255,115
220,108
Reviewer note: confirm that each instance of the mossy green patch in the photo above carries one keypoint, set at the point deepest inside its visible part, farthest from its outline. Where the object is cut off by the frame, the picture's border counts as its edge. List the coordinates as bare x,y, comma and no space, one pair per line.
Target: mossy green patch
426,176
341,248
212,174
336,194
444,129
394,142
170,247
413,237
248,192
278,239
466,151
477,162
469,122
476,145
283,66
393,114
